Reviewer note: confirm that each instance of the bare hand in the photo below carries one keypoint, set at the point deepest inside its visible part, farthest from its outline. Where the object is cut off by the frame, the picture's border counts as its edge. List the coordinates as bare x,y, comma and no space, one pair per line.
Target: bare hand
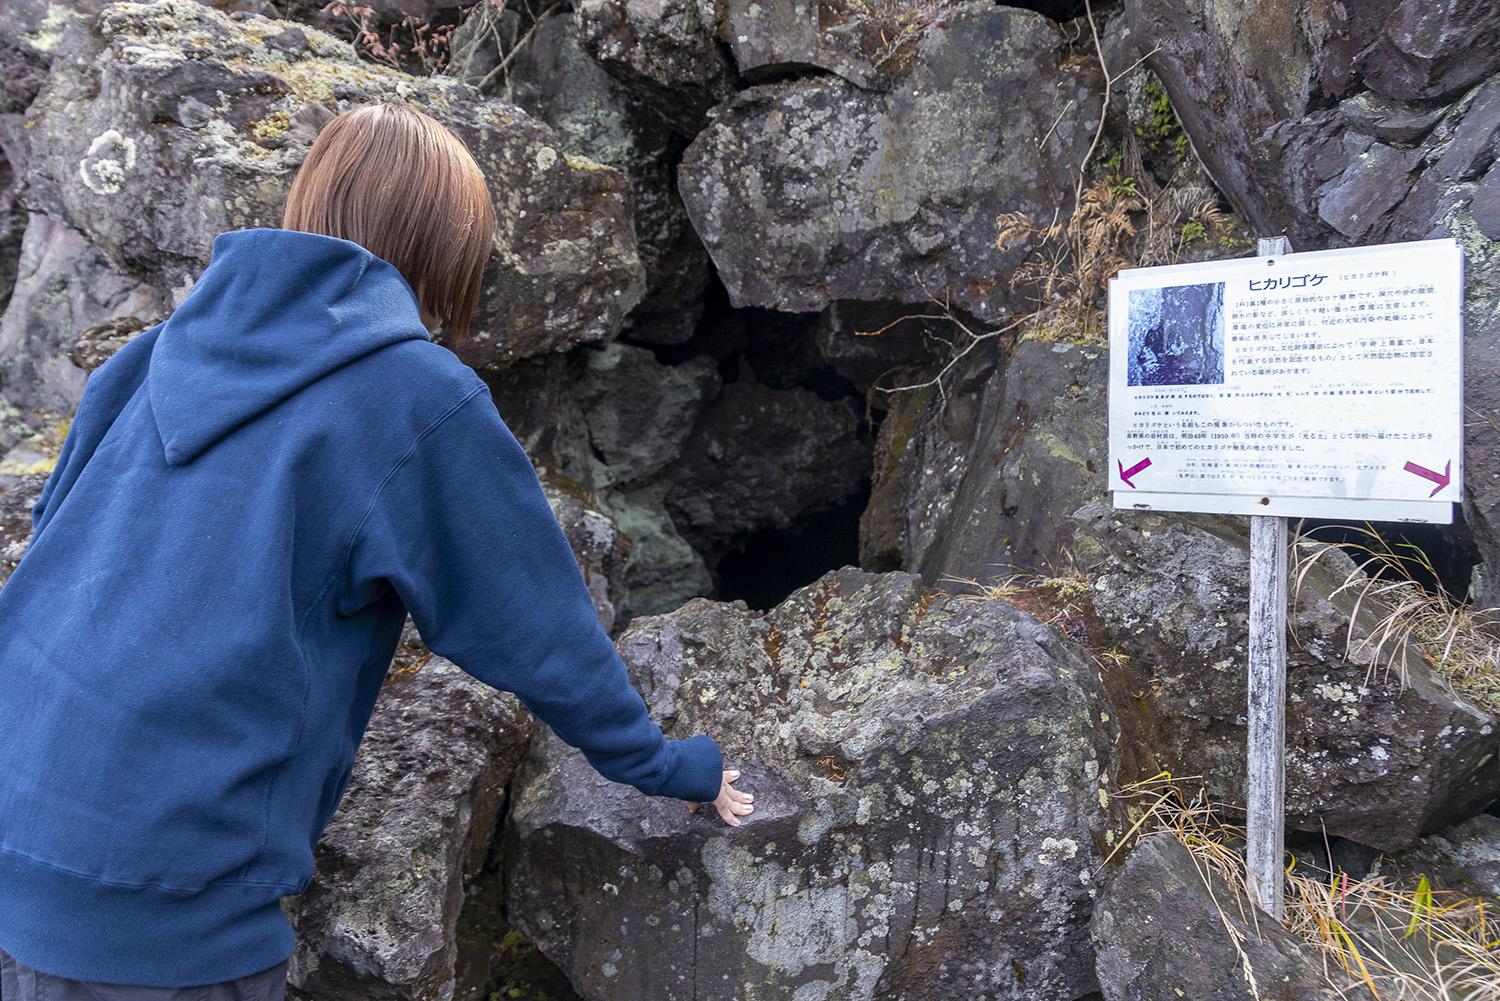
731,804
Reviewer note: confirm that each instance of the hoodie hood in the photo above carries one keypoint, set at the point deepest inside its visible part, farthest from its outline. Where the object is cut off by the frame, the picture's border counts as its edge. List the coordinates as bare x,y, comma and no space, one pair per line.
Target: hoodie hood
275,311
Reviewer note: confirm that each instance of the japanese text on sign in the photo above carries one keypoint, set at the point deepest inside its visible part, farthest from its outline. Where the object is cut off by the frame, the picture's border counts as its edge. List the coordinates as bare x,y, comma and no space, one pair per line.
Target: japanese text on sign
1329,375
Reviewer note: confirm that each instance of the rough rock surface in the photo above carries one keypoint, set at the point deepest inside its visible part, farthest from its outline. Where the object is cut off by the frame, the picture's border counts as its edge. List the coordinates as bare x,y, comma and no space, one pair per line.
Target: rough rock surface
541,401
17,495
1351,125
869,343
981,482
667,51
65,286
928,774
1464,858
163,125
815,190
597,544
1234,73
555,81
1165,928
1367,758
683,465
760,458
428,787
781,39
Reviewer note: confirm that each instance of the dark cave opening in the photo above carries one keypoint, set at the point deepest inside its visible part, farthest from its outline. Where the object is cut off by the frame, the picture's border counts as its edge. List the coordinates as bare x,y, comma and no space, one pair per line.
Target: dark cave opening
765,567
1437,557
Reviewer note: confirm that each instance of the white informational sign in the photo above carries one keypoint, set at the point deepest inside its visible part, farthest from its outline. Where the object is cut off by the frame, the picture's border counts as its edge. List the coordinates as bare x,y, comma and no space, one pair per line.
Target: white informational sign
1324,385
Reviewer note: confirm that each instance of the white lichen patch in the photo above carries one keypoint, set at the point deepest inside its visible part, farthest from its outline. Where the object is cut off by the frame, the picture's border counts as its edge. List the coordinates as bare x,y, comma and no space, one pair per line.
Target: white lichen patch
1055,850
545,157
109,156
49,33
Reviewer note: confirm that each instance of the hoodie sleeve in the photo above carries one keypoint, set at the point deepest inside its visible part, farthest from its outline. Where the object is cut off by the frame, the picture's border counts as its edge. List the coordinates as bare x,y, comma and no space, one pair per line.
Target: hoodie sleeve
462,531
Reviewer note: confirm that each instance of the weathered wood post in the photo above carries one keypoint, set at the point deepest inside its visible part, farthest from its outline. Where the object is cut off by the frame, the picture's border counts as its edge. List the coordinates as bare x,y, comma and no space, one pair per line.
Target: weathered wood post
1266,754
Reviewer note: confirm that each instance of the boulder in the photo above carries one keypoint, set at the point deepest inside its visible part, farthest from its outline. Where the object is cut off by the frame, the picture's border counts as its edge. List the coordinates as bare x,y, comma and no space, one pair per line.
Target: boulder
979,481
65,286
163,125
873,342
770,40
1167,927
1375,752
555,81
378,921
638,415
21,482
1234,73
34,28
684,466
1464,858
667,52
1350,125
20,79
929,776
596,542
1000,476
639,412
815,190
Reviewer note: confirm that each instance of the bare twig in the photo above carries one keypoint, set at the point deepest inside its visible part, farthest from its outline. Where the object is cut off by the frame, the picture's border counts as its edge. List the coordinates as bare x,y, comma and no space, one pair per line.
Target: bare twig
515,49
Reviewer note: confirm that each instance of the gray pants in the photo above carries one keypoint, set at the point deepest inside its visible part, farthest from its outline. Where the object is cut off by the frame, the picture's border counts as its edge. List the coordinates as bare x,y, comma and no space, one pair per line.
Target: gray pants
21,983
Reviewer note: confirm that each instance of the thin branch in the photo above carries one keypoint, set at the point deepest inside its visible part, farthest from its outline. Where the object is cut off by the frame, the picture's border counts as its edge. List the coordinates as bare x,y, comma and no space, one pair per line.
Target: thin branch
511,55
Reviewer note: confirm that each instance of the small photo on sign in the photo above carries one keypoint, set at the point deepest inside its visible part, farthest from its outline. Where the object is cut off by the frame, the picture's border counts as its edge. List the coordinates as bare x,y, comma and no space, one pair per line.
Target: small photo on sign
1176,335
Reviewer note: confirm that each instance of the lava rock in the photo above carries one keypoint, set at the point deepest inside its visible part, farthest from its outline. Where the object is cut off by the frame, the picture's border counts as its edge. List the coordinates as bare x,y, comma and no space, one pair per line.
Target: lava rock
555,81
1166,927
1233,74
66,286
1464,858
163,125
378,921
928,774
780,39
815,190
639,412
596,542
666,52
762,457
873,343
18,494
980,481
1375,753
97,344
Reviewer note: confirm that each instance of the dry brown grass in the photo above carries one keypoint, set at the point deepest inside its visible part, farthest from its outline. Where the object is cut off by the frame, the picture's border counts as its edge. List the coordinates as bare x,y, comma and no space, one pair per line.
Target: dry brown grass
1406,622
1068,265
1411,943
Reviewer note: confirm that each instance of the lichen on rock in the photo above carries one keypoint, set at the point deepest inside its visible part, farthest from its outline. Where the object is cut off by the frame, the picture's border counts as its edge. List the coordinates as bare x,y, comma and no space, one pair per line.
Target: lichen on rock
927,773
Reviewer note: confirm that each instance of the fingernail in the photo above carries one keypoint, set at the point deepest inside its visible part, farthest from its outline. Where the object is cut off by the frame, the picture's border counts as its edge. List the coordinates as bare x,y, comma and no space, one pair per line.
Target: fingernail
749,798
734,775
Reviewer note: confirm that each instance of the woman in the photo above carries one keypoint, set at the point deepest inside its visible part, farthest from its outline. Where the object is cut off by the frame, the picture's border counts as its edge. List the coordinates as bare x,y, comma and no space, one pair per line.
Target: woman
252,497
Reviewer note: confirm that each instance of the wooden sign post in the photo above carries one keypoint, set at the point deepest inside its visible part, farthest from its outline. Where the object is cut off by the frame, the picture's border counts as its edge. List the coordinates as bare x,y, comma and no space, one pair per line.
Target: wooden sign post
1265,808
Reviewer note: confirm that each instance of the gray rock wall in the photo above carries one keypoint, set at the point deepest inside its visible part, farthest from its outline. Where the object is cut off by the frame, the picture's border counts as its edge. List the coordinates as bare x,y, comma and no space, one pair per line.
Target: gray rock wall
703,209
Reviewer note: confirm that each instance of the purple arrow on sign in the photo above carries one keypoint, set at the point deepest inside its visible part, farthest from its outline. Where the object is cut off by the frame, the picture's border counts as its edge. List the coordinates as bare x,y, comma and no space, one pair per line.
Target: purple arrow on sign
1126,474
1441,479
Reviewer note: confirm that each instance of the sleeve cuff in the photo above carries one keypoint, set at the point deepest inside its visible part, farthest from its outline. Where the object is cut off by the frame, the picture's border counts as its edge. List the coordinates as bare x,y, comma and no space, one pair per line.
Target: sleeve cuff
697,770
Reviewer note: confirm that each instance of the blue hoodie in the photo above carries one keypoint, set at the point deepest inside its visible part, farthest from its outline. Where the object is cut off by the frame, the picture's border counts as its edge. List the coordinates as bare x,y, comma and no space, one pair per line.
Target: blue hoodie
251,498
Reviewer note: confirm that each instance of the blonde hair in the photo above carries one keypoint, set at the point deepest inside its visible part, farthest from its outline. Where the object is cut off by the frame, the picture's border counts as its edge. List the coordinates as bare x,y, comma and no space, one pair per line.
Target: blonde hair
399,184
